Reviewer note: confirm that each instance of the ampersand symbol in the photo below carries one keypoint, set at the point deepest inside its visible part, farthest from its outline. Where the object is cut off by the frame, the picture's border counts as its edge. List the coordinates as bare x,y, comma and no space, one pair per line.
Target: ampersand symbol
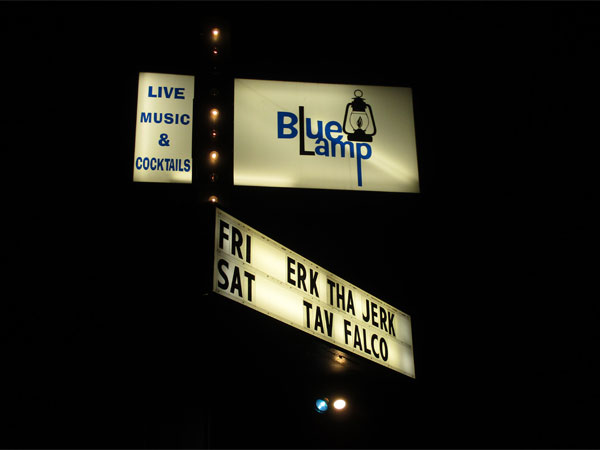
163,141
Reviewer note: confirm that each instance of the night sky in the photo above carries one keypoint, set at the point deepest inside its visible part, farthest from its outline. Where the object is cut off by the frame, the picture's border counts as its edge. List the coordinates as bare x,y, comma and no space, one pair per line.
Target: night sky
108,339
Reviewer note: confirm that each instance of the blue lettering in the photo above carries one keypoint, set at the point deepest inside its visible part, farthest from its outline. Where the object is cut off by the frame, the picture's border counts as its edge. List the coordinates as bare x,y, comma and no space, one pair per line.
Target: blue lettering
164,91
343,146
281,125
163,164
334,127
322,150
166,118
360,157
309,133
146,117
286,129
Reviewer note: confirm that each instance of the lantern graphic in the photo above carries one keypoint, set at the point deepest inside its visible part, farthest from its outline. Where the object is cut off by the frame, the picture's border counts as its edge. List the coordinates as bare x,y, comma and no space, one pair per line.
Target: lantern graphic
359,118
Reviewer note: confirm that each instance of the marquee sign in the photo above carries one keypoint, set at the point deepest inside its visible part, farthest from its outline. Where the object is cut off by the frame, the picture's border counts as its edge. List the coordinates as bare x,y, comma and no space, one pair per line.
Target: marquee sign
327,136
261,274
163,134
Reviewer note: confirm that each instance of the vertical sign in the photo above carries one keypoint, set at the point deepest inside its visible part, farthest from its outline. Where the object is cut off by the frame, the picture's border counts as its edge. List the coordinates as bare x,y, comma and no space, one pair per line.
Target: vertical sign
261,274
163,134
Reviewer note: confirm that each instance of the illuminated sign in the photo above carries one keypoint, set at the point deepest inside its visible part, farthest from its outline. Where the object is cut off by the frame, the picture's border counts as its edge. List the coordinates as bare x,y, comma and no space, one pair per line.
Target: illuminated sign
163,134
327,136
259,273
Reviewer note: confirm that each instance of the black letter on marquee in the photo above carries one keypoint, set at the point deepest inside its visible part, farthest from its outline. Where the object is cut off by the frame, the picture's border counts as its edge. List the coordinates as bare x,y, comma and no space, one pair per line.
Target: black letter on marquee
357,338
347,331
236,283
331,285
308,307
366,318
383,321
220,265
250,277
248,246
236,243
222,234
366,342
340,296
391,322
290,271
383,348
374,314
373,340
313,283
319,320
350,303
328,322
301,277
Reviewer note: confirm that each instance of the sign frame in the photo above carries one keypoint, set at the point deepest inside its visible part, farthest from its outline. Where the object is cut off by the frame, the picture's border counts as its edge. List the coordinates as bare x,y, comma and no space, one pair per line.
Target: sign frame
164,129
243,253
300,135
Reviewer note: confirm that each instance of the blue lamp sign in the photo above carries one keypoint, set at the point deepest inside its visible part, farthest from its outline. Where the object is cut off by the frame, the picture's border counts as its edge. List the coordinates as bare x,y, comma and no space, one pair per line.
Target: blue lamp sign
163,136
324,136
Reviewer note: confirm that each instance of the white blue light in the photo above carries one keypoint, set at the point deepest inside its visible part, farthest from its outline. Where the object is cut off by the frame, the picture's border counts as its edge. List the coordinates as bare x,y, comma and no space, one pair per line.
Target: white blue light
321,406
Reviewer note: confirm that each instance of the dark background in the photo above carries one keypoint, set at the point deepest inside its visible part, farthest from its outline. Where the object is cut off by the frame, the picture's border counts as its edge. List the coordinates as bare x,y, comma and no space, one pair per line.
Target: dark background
108,338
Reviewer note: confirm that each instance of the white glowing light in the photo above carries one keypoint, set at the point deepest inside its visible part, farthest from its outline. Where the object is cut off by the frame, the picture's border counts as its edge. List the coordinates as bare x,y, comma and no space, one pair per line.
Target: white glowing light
339,404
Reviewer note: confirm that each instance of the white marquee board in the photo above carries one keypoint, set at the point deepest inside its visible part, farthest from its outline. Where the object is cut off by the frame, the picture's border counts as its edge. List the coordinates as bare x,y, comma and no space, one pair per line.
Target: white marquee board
257,272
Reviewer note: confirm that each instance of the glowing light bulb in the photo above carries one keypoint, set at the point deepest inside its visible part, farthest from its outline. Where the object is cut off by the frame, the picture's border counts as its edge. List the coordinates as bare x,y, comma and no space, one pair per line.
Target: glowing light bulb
321,406
214,155
339,404
215,33
214,113
213,199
